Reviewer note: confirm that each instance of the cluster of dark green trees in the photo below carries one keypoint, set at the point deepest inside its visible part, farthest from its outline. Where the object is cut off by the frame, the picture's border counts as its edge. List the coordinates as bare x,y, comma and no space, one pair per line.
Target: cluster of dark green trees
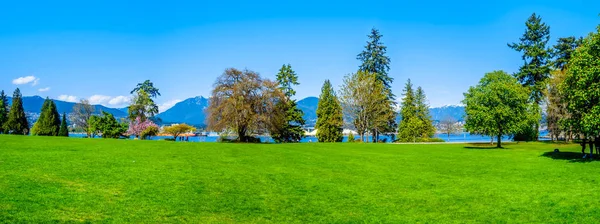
367,104
565,78
49,123
13,119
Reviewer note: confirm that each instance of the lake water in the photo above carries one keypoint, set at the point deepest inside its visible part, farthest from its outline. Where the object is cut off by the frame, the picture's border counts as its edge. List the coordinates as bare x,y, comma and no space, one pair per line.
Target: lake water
465,137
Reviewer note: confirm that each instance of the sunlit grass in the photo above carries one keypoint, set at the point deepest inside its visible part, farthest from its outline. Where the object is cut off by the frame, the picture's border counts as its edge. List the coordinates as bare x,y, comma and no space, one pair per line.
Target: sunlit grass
46,179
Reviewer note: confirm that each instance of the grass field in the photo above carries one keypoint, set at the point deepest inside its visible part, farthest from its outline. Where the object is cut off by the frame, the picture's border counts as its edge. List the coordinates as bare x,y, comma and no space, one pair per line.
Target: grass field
45,179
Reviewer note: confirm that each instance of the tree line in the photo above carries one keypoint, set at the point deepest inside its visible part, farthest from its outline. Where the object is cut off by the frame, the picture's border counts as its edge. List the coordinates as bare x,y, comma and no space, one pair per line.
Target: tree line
563,79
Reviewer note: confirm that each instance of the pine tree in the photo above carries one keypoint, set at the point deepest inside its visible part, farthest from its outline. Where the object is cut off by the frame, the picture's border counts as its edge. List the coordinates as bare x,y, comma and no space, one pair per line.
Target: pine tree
3,111
409,124
64,129
374,60
290,130
329,116
536,70
427,130
17,121
48,124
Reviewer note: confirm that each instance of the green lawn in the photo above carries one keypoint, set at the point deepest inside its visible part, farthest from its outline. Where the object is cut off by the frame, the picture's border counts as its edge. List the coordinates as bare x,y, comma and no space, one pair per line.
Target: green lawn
46,179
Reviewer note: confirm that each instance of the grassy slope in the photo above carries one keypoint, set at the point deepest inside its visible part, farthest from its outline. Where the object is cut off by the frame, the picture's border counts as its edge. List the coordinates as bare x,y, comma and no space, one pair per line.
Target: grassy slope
57,179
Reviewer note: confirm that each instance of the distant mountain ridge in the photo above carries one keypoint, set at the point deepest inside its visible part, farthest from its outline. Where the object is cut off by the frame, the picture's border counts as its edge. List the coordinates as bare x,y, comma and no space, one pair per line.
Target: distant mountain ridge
192,111
33,104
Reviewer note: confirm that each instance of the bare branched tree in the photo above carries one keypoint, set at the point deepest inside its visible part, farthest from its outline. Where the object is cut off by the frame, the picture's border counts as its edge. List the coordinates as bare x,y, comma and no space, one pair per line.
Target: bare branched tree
81,114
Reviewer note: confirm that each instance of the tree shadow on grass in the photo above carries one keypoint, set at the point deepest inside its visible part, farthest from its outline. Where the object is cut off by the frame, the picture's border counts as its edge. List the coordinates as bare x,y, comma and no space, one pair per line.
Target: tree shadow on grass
482,146
574,157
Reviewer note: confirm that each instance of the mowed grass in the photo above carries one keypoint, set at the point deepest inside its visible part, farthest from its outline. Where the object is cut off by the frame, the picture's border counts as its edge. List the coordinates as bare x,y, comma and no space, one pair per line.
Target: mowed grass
48,179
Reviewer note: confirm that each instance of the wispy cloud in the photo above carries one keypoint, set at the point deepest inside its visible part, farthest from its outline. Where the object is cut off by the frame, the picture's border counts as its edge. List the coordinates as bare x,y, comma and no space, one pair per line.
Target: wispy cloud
44,89
117,101
26,80
68,98
167,105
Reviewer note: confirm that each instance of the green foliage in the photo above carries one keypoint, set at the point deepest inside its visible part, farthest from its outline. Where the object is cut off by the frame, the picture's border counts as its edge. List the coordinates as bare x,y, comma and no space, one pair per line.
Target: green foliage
16,123
581,87
416,123
375,60
107,125
142,106
274,183
329,116
148,87
563,51
351,137
366,104
149,132
290,128
64,129
498,106
3,111
536,55
48,124
178,129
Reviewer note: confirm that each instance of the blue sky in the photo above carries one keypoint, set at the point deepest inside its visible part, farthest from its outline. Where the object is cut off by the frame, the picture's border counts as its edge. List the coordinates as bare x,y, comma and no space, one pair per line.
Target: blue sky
100,50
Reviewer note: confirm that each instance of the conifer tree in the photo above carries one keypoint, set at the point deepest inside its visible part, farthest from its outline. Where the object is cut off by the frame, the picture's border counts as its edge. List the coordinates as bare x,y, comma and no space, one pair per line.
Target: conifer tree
427,129
409,124
290,129
374,60
329,116
64,129
536,69
3,111
48,124
17,120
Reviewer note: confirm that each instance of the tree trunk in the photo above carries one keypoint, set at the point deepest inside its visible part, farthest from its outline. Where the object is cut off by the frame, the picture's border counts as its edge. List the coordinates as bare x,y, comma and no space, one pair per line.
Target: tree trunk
499,143
591,148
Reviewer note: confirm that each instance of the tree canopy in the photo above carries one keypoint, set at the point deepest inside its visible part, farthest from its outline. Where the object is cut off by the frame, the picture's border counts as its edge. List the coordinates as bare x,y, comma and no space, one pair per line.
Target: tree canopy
289,129
244,103
329,116
3,110
497,106
64,128
178,129
16,123
81,114
48,124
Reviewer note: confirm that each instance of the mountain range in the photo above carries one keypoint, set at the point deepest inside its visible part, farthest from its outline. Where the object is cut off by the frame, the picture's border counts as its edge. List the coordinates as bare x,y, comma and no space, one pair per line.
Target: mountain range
33,105
192,111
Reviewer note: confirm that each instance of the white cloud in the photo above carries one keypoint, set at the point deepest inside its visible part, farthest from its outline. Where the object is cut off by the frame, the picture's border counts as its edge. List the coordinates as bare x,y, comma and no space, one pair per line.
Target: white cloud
44,89
119,100
68,98
99,99
167,105
25,80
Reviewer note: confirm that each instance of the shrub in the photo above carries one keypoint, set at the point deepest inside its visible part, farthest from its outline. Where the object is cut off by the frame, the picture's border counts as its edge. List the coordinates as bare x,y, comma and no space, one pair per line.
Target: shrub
351,137
149,132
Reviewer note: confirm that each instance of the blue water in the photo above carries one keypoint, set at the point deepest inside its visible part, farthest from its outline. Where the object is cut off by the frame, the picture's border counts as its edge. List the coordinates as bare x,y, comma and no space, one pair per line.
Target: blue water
465,137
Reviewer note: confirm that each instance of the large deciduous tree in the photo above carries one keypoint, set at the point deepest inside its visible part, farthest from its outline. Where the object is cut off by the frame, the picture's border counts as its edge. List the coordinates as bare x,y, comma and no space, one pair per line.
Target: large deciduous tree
3,111
329,116
48,124
81,114
362,97
289,129
497,106
138,126
537,61
244,103
16,123
581,87
107,125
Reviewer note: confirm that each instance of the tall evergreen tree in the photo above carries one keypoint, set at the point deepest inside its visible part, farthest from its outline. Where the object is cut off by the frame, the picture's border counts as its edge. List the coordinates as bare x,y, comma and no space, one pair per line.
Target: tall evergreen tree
537,57
329,116
427,129
64,129
17,120
408,129
290,129
48,124
3,111
374,60
564,49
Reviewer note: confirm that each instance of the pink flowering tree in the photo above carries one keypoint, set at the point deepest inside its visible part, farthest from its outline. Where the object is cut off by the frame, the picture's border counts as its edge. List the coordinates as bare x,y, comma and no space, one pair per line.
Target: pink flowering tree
137,128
